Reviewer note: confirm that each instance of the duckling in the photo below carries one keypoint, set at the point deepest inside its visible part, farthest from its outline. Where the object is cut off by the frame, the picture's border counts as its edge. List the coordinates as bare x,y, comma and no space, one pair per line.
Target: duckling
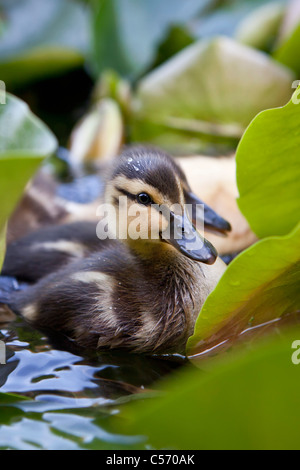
142,293
43,251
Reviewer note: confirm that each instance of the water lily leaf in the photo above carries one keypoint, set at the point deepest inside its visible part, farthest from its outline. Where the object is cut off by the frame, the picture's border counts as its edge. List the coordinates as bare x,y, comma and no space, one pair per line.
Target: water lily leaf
24,142
201,89
288,51
259,286
268,170
56,40
249,401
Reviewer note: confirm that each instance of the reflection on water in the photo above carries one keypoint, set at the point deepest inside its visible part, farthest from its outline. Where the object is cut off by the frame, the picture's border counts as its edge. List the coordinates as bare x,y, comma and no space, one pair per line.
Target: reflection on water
69,395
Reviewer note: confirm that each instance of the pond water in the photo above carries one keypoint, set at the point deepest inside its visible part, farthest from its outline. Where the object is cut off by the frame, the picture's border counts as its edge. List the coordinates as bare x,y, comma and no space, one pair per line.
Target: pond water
69,396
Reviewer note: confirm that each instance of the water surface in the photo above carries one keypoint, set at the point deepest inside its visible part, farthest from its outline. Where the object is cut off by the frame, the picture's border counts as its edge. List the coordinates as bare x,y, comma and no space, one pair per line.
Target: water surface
69,396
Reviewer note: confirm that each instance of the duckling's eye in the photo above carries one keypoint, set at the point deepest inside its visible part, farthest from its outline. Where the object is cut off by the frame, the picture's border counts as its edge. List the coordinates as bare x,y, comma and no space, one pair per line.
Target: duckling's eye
144,199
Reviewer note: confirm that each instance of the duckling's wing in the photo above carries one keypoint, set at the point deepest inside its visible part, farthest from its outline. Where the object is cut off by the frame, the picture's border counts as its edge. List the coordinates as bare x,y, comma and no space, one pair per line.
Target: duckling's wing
76,301
42,252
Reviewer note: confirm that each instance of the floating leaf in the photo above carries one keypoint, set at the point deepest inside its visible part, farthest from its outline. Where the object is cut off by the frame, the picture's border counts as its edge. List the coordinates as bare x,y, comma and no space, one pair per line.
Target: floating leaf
249,401
201,89
268,170
259,286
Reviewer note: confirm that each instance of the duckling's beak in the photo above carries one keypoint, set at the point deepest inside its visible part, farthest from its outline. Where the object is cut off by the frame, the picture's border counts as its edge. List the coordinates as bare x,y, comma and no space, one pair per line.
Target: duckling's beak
184,237
212,221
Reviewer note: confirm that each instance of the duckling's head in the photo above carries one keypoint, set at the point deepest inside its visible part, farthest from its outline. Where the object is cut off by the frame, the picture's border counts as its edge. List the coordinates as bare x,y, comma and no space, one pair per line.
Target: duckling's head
148,192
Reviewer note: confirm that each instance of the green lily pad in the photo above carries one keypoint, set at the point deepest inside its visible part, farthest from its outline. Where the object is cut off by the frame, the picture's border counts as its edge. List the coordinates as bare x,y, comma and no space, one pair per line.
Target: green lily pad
24,142
249,401
213,87
259,286
268,170
288,52
56,41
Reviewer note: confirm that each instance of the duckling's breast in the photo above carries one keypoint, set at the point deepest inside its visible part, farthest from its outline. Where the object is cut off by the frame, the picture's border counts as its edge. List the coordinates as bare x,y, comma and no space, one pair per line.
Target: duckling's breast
191,284
167,299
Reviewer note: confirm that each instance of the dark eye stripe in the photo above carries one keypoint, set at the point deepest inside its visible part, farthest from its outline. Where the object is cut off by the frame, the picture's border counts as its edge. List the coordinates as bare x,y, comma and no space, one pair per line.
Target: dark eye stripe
126,193
134,197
